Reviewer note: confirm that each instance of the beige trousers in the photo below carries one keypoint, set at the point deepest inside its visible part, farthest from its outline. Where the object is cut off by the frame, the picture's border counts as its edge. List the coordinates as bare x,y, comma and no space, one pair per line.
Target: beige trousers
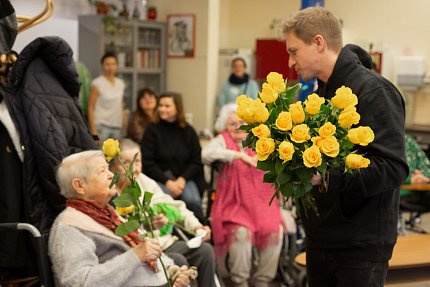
240,265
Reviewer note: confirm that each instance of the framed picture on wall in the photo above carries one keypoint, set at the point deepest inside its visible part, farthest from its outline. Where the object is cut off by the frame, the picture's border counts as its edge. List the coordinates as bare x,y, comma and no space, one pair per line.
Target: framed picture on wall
180,35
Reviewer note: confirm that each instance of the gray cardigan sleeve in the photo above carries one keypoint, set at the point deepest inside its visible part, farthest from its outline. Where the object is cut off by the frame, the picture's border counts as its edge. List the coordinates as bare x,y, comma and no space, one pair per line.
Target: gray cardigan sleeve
76,263
216,149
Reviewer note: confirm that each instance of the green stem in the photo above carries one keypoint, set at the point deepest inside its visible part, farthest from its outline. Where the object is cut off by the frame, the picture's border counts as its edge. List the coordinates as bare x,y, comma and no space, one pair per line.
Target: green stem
185,229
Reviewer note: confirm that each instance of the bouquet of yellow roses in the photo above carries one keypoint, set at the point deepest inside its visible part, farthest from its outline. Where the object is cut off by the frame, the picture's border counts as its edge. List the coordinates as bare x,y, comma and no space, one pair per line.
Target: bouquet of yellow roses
294,141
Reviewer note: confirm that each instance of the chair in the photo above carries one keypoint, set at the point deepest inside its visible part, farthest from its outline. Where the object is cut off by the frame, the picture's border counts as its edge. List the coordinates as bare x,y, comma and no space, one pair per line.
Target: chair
44,270
415,210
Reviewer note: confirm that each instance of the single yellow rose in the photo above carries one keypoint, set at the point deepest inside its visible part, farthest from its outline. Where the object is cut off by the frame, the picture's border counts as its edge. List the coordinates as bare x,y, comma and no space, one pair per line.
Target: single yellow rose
243,112
349,117
356,161
268,95
259,110
242,99
261,131
327,129
330,146
297,113
286,151
284,121
264,147
111,148
125,210
300,133
276,81
313,104
361,135
312,157
344,98
317,141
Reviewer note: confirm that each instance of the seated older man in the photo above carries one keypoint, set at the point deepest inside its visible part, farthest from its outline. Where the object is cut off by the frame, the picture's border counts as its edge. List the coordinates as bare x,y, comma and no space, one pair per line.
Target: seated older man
83,247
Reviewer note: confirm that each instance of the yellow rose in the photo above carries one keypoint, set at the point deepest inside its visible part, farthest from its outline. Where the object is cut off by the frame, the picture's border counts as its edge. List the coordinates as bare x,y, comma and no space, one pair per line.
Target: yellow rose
300,134
284,121
361,135
329,146
276,81
344,98
268,95
243,112
349,117
312,157
261,131
111,148
356,161
259,110
264,147
297,113
327,129
317,141
313,104
242,99
286,151
125,210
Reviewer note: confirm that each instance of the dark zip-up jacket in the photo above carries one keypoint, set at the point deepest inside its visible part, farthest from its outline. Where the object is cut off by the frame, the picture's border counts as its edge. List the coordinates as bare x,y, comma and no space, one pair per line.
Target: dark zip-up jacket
359,212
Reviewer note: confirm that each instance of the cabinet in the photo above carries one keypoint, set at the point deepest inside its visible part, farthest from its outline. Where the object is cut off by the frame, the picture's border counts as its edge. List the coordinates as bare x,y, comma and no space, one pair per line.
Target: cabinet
140,47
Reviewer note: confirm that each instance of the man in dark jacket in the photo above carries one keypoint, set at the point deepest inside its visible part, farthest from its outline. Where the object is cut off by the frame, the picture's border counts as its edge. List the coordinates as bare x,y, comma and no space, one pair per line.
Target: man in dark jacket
352,239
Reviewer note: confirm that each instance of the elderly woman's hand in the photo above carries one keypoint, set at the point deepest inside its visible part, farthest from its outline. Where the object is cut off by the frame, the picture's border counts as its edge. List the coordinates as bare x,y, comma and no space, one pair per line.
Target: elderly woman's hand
181,281
149,249
159,221
251,160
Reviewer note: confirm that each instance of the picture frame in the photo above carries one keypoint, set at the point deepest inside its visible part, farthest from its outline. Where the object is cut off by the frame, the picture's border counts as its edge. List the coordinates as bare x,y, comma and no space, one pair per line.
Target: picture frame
181,35
376,61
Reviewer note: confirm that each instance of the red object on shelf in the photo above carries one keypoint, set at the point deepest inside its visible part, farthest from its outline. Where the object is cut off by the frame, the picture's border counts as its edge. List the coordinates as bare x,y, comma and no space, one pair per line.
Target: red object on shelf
152,13
272,56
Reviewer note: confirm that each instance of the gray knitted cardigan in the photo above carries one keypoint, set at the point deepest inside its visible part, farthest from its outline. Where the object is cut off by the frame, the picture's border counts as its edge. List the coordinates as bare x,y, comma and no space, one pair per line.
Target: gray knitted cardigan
85,253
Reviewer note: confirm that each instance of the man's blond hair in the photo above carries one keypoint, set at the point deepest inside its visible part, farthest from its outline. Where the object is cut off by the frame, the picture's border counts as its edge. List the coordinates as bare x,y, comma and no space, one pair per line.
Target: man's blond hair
307,23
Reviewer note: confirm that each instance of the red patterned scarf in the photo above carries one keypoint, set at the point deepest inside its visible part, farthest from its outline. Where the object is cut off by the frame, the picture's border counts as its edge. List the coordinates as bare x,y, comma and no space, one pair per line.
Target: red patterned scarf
107,217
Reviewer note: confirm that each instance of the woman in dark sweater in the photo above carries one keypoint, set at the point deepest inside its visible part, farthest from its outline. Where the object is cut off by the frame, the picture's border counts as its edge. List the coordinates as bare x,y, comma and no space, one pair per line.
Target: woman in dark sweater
171,153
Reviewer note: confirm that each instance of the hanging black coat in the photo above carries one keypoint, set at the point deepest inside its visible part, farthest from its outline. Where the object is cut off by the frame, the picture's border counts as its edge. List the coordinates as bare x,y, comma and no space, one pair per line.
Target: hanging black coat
41,95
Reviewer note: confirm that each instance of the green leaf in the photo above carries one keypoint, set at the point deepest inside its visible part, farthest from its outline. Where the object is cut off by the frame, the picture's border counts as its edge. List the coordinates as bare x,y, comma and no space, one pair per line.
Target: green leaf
323,167
279,166
269,177
265,165
127,227
290,93
147,196
275,194
144,235
246,127
124,200
273,116
283,178
130,168
249,139
114,180
305,174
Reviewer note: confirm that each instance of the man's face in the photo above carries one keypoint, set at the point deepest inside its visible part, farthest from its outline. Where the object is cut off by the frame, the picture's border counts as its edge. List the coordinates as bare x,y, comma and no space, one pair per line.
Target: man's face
303,57
97,184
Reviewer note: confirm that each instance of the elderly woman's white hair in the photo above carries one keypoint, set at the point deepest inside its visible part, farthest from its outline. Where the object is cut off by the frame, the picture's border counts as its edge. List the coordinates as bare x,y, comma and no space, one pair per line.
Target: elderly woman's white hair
73,166
225,112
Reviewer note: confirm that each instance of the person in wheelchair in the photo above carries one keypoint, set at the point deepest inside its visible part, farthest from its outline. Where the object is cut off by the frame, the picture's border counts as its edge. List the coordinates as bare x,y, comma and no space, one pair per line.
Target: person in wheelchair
241,216
83,248
202,257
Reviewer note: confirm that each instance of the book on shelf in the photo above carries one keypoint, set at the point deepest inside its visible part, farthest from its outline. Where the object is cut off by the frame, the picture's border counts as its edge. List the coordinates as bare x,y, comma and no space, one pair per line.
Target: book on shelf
149,58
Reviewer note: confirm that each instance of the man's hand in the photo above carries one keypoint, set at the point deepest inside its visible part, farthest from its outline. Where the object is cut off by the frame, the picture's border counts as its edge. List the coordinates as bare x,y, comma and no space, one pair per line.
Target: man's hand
174,188
149,249
316,179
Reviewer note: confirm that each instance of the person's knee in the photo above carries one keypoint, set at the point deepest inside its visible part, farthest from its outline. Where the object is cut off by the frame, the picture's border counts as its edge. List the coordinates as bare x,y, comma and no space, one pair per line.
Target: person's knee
242,234
206,251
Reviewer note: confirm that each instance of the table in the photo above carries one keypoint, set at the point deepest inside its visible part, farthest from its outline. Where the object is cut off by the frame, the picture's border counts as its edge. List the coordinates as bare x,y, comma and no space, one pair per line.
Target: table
416,187
409,252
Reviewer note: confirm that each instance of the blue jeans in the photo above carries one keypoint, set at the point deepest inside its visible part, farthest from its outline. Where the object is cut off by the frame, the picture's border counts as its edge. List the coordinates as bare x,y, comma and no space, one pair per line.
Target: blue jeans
104,132
329,269
191,197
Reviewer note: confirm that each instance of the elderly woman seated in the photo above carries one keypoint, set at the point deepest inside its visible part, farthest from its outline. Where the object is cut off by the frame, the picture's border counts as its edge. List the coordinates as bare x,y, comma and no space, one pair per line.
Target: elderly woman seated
241,215
83,247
